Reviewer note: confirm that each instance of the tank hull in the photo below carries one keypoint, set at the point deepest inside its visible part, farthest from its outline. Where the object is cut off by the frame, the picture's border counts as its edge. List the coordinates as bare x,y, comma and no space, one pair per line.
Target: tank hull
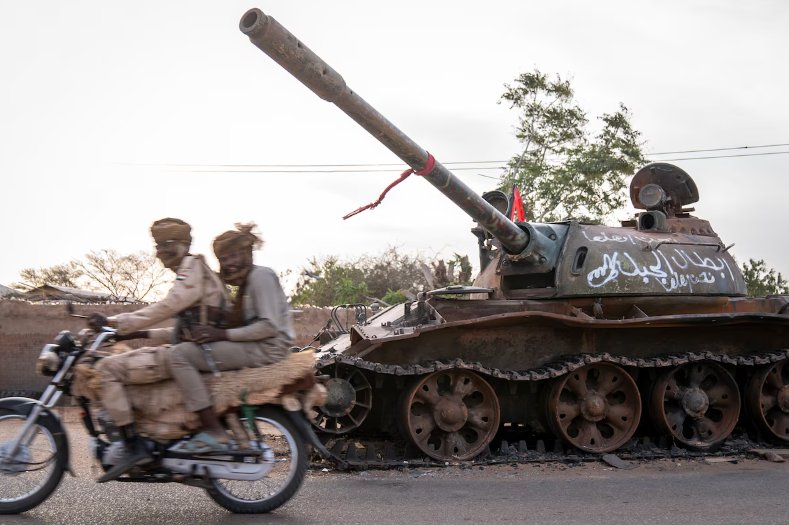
523,349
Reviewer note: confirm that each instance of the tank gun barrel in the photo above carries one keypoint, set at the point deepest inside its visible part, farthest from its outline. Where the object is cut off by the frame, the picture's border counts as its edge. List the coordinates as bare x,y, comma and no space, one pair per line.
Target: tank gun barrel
296,58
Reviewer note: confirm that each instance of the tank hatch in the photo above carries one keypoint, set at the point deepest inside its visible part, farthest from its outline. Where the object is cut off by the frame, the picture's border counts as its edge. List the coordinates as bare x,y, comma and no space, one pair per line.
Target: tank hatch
664,187
664,190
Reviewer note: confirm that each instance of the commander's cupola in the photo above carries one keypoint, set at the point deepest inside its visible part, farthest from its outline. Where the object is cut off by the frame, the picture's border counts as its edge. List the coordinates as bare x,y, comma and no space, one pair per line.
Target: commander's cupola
664,191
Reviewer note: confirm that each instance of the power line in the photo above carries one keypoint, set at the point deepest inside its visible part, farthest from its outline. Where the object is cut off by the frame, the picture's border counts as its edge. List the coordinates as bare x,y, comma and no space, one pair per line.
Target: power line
263,168
731,156
454,165
317,165
198,168
329,171
718,149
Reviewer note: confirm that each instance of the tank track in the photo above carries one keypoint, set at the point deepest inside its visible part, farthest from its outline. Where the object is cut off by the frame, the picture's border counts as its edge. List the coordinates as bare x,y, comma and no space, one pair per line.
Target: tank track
555,369
361,453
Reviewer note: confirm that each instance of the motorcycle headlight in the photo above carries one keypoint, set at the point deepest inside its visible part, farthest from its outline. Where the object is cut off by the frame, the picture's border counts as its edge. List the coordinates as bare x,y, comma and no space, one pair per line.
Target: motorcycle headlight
48,362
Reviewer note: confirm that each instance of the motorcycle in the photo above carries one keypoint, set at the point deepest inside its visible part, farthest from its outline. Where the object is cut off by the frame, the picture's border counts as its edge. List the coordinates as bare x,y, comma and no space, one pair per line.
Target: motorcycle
263,469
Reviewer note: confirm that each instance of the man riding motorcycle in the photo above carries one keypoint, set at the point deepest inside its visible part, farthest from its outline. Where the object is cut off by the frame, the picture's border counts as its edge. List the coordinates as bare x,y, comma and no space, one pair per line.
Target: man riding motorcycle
197,296
263,335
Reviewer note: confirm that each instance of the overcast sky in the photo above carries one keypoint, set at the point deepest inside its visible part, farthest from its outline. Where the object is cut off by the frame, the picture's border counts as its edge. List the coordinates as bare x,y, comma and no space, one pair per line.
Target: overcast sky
102,102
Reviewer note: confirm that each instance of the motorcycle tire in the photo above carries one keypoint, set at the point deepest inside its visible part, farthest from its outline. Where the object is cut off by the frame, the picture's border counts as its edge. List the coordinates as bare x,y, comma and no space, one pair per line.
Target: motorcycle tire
287,444
52,432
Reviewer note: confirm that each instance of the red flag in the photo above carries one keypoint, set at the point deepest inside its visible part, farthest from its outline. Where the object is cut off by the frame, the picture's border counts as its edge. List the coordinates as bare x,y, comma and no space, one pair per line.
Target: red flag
517,206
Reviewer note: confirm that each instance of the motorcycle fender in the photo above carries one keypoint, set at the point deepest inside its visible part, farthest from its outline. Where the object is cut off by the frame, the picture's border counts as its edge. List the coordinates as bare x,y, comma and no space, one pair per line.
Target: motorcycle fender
308,435
24,405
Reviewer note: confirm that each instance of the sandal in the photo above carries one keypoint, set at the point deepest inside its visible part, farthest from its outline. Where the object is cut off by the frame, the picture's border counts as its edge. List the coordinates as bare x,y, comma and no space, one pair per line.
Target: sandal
202,443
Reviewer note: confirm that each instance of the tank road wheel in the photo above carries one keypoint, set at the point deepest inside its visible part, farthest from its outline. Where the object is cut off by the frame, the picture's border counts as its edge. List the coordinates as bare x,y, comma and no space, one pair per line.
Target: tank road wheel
767,399
451,415
348,402
594,408
697,404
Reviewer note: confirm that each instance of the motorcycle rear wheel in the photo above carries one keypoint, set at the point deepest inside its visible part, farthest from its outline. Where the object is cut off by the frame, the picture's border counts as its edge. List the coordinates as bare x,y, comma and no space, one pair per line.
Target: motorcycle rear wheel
33,473
287,473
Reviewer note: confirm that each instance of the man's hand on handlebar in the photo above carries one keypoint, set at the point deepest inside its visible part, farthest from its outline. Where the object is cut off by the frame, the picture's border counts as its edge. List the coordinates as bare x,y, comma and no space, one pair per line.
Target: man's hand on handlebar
97,321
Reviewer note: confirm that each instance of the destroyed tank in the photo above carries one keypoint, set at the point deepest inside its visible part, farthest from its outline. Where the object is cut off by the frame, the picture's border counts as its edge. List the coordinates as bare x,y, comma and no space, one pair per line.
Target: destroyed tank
583,332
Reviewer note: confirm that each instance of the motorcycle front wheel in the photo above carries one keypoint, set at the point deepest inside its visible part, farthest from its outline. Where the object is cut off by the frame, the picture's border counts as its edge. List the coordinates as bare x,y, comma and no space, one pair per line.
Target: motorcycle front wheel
288,455
34,470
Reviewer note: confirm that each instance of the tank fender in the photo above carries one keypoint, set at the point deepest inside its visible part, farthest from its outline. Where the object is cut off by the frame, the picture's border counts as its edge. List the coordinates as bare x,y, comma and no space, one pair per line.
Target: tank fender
24,405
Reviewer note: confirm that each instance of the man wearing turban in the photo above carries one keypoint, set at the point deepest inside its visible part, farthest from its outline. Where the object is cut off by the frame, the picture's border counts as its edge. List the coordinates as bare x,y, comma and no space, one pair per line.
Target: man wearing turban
263,333
198,293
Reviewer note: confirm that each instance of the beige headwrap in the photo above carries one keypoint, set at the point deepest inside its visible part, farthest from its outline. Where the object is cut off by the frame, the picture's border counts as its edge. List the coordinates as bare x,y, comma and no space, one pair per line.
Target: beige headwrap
170,229
243,237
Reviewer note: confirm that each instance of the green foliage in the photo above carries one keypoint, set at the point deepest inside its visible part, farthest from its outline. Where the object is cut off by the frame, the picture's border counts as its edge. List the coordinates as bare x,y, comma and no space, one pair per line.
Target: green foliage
393,297
332,276
386,277
762,281
563,171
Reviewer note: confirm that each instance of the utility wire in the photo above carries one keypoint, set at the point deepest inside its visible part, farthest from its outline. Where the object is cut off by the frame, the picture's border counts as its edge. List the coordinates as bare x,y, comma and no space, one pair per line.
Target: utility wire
198,168
329,171
718,149
730,156
455,165
321,165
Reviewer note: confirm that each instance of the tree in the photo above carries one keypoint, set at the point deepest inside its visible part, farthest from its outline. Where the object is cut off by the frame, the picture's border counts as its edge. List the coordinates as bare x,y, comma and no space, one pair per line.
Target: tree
126,277
391,271
760,281
325,280
562,171
444,273
388,277
59,275
132,277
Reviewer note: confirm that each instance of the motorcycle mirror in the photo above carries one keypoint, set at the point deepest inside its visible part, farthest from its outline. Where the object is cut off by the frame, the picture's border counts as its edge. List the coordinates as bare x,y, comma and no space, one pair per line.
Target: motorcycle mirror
70,309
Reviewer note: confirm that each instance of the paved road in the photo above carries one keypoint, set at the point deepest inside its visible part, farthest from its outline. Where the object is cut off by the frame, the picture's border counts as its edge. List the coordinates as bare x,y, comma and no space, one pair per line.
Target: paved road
665,491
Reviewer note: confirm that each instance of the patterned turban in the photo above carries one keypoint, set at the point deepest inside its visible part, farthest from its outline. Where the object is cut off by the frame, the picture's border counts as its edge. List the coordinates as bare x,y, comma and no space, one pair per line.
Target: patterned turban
170,229
243,237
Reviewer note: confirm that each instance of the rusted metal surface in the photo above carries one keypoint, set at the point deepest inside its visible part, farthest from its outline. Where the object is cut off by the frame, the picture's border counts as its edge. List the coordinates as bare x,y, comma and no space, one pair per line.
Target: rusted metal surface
625,262
553,369
532,347
595,408
526,340
678,187
696,403
349,400
451,415
361,452
767,399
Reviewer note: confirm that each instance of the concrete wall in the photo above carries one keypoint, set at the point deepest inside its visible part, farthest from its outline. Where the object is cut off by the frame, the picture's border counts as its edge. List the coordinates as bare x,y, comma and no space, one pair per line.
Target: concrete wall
25,328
